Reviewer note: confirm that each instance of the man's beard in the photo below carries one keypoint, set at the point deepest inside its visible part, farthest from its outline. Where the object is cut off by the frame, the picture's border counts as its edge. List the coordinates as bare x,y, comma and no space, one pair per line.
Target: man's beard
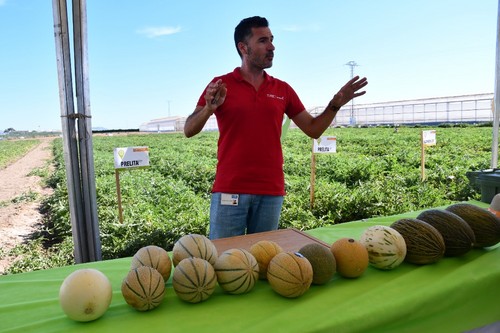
263,63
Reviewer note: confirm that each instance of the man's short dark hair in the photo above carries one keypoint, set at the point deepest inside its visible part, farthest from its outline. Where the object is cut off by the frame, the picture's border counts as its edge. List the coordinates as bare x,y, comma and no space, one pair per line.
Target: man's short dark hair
243,30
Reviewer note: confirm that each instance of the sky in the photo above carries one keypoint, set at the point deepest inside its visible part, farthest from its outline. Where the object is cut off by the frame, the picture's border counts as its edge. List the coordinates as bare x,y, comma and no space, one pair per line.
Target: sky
152,59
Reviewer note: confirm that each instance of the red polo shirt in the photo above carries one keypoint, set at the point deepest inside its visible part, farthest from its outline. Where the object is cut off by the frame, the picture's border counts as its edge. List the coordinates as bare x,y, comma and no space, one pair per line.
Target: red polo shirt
250,158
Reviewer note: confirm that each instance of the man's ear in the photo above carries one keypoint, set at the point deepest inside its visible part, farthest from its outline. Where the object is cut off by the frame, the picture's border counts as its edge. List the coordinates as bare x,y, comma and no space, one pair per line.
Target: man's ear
242,47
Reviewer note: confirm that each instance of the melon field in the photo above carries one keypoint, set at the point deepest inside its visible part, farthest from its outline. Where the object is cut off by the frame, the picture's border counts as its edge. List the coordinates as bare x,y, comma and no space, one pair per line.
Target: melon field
375,172
12,150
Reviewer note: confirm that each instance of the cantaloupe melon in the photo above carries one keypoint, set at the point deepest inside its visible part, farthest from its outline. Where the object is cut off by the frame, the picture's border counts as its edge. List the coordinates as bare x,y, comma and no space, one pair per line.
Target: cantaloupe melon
194,245
194,280
385,245
155,257
236,270
264,251
290,274
322,262
143,288
351,257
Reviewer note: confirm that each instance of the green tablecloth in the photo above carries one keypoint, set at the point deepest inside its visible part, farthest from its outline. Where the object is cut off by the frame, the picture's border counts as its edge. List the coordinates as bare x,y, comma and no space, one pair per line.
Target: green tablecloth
452,295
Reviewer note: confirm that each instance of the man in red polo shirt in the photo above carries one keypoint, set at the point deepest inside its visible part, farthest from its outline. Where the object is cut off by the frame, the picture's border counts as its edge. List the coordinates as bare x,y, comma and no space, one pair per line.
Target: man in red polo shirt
249,105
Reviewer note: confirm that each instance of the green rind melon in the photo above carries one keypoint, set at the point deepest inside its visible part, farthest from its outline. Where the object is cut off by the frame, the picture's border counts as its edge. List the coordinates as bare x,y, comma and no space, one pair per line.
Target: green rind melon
424,243
484,224
322,261
457,234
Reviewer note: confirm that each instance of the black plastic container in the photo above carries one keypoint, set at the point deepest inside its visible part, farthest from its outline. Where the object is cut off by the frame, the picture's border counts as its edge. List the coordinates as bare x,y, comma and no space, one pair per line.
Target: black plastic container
486,181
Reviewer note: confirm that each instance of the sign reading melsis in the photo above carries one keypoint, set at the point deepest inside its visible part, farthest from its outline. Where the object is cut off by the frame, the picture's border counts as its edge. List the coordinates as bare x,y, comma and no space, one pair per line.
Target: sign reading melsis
429,138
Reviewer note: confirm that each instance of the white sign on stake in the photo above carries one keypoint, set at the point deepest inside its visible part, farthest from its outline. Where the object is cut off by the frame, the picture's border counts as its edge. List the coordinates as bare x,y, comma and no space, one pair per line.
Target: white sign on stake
128,158
325,145
131,157
429,138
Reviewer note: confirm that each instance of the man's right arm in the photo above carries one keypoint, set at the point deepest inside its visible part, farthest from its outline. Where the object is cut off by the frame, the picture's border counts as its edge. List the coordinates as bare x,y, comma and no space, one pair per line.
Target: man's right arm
197,120
215,95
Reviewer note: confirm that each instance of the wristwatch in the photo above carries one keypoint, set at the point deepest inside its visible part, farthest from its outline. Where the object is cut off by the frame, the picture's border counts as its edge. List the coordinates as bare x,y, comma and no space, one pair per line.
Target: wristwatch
333,107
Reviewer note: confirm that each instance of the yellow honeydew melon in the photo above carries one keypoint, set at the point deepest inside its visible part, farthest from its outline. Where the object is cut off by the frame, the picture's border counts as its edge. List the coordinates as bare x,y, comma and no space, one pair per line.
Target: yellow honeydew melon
85,294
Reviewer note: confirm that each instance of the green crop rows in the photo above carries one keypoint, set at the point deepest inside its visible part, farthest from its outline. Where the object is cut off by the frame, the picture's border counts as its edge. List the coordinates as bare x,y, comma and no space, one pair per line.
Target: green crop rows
12,150
375,172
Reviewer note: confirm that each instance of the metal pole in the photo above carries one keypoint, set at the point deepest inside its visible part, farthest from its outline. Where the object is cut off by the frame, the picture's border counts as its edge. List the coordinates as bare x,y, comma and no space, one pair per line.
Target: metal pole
70,146
496,111
85,131
353,64
83,238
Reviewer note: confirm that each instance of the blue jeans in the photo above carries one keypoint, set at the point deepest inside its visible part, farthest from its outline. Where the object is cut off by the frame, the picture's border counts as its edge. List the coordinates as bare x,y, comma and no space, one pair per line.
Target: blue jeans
253,213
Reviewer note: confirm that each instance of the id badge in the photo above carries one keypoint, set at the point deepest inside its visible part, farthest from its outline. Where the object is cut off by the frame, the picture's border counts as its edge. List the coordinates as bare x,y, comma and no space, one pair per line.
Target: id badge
227,199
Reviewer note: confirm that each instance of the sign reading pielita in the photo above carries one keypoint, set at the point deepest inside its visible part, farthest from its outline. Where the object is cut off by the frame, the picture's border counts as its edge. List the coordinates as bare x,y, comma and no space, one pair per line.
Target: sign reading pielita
325,145
131,158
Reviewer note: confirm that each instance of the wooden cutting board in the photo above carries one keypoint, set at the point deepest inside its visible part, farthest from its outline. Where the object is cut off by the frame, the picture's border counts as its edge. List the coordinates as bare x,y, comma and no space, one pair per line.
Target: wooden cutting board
290,240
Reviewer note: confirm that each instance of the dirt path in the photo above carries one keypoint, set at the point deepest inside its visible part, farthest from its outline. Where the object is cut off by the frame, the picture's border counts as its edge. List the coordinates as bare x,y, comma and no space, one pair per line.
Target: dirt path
18,220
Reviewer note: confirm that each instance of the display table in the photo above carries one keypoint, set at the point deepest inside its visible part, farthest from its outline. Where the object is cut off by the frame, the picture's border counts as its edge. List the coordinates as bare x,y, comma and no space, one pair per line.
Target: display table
453,295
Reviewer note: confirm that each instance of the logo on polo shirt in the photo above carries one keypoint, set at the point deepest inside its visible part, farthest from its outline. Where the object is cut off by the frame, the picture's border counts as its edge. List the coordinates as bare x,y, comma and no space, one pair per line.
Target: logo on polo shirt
275,97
